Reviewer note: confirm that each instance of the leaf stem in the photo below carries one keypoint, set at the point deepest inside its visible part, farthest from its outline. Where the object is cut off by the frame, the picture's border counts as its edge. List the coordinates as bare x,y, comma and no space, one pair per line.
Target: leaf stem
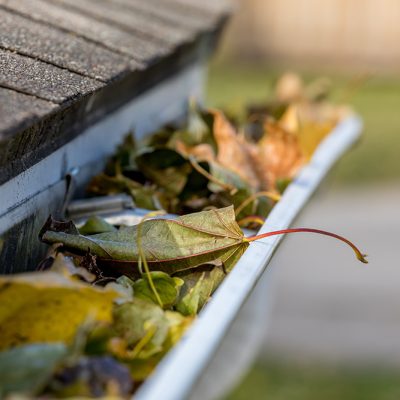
230,188
251,218
358,253
142,256
270,195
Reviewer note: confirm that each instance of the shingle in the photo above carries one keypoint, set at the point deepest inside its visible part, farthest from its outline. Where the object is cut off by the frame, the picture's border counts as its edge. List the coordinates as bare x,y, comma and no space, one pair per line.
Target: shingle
43,80
186,18
20,109
60,48
131,21
112,37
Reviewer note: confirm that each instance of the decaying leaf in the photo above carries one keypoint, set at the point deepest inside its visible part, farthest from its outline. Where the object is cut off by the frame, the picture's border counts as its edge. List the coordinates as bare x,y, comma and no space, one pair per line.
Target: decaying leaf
168,245
48,307
277,156
232,149
98,376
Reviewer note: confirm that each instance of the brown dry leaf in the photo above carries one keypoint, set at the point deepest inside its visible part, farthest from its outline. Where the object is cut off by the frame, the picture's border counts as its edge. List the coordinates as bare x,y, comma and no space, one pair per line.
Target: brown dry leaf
42,307
233,152
289,88
277,155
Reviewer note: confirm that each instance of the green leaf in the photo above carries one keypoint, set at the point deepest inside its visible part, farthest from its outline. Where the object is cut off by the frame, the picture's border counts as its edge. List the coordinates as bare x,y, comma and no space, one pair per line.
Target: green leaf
139,319
165,167
196,131
168,245
167,287
96,225
143,362
198,286
26,369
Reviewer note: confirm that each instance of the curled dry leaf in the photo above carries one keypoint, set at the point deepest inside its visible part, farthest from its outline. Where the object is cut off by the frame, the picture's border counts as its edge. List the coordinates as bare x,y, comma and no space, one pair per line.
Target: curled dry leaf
232,149
276,156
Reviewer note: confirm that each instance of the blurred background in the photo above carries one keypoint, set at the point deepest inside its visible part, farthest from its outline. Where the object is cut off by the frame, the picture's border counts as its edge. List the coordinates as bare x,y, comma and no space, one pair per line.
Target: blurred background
334,332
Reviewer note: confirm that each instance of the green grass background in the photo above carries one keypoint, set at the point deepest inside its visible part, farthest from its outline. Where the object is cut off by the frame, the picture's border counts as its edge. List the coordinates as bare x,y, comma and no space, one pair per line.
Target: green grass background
374,161
274,381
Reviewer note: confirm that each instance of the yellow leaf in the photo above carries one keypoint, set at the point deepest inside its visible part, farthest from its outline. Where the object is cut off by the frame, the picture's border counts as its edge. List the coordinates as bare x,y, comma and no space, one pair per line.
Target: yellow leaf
48,307
309,124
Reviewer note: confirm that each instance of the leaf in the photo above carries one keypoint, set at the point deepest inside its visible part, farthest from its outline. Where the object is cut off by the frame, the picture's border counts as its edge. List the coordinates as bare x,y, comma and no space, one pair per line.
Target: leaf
48,307
142,195
26,369
143,362
198,286
203,151
65,265
168,245
95,225
196,131
289,88
233,150
92,377
104,184
303,121
165,167
167,287
134,320
277,156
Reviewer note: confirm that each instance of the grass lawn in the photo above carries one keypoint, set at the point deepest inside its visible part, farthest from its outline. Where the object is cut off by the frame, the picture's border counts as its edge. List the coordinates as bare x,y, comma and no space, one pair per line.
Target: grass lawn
377,156
272,381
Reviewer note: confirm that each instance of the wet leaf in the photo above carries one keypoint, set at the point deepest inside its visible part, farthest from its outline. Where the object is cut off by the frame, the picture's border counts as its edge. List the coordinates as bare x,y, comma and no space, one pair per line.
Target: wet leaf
168,245
26,369
48,307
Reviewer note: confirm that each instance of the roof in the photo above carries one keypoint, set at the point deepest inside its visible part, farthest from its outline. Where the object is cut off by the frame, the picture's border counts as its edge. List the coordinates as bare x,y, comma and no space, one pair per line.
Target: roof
65,63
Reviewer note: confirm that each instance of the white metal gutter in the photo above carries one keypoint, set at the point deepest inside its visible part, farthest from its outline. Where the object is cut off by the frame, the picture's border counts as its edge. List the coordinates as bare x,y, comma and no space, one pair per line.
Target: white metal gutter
183,373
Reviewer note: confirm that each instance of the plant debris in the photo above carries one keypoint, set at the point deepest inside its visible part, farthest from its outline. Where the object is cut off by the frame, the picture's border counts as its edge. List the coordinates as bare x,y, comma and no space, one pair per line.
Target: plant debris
110,301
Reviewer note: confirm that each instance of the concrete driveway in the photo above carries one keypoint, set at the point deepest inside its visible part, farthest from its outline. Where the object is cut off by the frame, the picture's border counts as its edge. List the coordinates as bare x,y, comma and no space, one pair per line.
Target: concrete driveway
328,306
